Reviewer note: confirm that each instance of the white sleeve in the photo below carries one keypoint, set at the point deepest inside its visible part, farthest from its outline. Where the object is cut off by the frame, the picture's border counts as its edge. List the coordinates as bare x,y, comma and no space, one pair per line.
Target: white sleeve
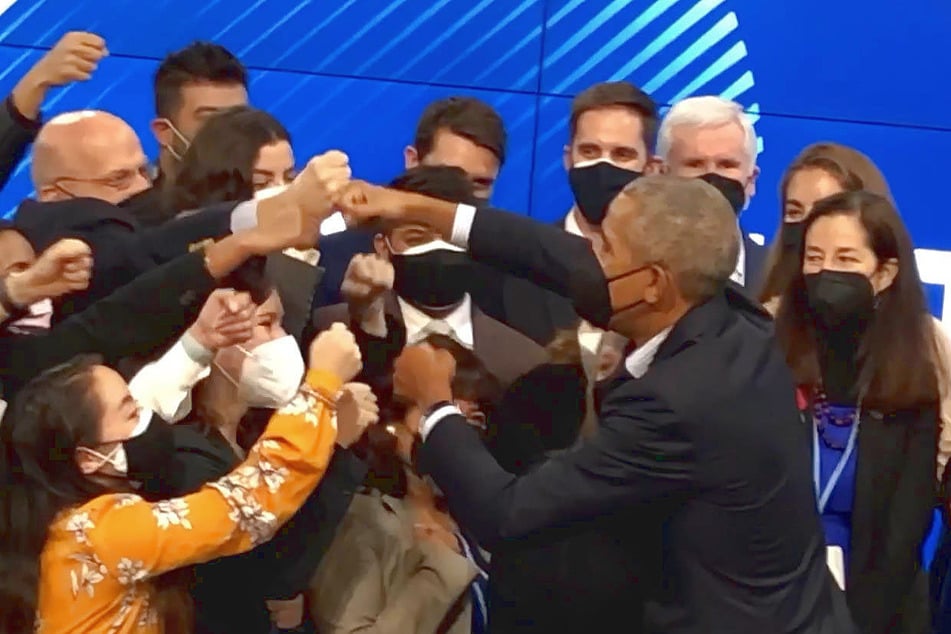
462,225
165,386
429,423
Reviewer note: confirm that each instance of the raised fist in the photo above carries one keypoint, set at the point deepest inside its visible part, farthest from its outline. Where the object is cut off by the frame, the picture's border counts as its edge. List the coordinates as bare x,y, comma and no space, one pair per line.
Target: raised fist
367,278
226,319
74,58
63,268
336,351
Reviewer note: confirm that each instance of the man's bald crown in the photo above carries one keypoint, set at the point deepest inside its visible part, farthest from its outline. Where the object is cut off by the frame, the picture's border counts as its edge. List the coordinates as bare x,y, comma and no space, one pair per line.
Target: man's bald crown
70,138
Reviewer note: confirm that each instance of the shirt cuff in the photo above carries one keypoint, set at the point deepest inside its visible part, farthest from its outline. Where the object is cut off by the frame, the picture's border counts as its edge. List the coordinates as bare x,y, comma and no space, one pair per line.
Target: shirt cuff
462,225
195,351
430,422
244,216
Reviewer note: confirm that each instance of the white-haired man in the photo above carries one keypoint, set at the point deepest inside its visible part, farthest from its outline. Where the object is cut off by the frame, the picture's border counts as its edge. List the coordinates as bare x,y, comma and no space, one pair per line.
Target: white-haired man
713,138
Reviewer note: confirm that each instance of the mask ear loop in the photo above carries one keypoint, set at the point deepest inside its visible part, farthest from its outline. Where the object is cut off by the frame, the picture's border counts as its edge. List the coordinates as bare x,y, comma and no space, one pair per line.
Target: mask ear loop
233,381
103,459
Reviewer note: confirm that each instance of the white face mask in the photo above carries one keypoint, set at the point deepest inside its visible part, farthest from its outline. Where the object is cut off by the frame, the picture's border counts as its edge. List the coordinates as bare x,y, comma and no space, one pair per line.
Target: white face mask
271,374
117,457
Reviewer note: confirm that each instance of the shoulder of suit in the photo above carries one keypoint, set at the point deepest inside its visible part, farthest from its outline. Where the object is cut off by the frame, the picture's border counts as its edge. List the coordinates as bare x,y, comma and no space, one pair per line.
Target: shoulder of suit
326,315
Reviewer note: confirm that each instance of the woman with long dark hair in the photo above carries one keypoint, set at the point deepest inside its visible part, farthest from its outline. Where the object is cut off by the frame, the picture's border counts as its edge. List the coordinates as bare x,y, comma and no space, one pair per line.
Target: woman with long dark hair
237,153
820,170
857,334
79,550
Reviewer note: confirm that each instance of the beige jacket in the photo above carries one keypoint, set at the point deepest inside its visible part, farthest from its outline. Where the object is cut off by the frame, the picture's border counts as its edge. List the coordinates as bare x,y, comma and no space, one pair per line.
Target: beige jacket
377,578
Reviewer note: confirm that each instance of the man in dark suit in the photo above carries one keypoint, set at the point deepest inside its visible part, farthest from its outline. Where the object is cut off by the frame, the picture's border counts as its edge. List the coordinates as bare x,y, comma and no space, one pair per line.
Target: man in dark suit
414,286
713,137
467,133
699,431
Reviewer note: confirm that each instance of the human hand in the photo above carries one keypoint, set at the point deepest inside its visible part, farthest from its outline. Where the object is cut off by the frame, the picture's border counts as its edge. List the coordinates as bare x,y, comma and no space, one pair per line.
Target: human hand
74,58
286,615
63,268
226,319
362,203
336,351
356,409
367,278
423,375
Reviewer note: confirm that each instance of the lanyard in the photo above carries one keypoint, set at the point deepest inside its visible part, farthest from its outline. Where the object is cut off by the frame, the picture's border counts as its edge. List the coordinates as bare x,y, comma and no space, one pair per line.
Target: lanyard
823,495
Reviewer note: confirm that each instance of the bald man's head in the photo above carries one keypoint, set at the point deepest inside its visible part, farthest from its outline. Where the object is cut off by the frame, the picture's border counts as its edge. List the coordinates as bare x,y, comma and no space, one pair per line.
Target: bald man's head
91,154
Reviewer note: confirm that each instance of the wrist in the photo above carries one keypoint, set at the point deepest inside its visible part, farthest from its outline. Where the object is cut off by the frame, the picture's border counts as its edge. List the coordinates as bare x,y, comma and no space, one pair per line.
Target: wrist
17,292
197,347
27,96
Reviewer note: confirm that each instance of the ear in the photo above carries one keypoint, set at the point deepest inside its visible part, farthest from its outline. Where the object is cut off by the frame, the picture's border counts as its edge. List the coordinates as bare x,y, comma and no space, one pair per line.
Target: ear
87,464
379,245
566,157
161,131
410,157
751,183
885,276
654,166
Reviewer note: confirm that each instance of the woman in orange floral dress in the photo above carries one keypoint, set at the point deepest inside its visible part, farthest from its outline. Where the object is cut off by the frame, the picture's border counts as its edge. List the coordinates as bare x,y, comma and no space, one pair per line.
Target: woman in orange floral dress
79,550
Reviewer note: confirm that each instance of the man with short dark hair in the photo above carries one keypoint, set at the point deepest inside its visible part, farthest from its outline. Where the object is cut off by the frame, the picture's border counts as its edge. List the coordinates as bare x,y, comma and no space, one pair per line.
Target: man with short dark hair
190,86
462,132
613,129
415,284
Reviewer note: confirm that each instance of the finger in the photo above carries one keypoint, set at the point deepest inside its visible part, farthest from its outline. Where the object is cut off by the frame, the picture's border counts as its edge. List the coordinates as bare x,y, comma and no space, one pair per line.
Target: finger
332,157
84,38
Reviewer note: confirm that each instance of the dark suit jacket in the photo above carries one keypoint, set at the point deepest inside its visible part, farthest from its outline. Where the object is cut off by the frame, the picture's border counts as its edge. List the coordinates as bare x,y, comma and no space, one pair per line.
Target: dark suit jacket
505,353
891,517
230,593
138,319
719,465
122,249
296,282
16,134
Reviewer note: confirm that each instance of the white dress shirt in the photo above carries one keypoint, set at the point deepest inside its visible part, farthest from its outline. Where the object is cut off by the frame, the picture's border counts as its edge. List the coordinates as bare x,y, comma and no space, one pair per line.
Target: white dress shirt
638,362
739,275
165,386
458,323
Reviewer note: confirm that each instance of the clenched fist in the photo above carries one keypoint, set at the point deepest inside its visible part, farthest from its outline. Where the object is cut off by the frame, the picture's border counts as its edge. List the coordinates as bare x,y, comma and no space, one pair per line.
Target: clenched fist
335,350
367,278
423,375
356,409
316,186
74,58
63,268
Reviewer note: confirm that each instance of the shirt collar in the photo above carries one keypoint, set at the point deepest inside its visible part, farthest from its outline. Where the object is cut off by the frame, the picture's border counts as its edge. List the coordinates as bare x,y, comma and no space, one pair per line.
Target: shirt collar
571,224
459,321
638,362
739,274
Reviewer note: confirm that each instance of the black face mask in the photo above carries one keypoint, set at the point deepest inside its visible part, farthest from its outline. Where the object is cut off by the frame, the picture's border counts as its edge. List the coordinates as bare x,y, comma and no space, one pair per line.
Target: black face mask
596,185
437,279
149,455
732,190
841,302
792,235
617,278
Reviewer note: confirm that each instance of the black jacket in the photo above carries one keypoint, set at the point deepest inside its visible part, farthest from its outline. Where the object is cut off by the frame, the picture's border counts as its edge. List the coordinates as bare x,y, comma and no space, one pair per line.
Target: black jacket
16,134
719,468
138,319
230,593
122,248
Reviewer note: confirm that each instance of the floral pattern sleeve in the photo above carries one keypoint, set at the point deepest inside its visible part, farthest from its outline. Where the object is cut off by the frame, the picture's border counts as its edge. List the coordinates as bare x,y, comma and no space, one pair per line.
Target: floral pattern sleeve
137,539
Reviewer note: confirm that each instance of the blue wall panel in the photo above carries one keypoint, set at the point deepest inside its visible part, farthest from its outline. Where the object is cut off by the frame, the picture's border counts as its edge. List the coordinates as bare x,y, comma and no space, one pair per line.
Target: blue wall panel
355,74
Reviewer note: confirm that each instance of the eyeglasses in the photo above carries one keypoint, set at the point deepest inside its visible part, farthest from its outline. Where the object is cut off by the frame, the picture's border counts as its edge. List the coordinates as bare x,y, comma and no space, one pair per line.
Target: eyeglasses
120,179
